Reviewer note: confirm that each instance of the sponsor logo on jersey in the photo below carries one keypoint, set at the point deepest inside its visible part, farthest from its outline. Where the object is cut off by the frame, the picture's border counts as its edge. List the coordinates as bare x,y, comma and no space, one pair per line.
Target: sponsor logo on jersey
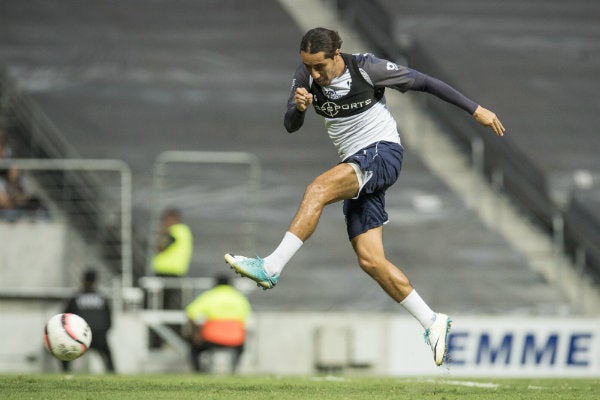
331,109
331,94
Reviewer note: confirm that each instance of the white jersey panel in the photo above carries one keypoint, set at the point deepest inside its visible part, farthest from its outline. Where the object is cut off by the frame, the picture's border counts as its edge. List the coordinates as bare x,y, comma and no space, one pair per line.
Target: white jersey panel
353,133
350,134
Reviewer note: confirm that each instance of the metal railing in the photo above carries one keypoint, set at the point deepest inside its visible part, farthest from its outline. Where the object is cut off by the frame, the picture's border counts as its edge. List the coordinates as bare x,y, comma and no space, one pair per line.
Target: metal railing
33,136
217,193
105,225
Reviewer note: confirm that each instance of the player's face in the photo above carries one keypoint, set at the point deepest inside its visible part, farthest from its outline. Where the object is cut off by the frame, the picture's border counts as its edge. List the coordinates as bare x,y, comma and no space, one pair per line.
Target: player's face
322,69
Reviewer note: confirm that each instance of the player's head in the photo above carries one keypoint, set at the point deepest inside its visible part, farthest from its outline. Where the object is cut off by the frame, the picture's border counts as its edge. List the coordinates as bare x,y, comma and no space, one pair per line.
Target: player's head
320,53
90,275
89,278
222,279
171,216
321,39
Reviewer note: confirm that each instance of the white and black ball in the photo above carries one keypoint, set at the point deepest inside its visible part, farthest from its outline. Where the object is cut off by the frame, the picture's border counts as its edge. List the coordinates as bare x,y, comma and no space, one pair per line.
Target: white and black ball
67,336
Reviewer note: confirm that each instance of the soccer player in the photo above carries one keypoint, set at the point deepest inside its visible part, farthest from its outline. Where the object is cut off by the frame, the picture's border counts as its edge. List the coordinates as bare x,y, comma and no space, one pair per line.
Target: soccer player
348,92
92,306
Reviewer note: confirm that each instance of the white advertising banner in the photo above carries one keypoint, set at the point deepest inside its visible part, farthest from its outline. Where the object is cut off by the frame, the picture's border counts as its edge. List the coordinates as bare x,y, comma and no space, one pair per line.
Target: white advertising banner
503,346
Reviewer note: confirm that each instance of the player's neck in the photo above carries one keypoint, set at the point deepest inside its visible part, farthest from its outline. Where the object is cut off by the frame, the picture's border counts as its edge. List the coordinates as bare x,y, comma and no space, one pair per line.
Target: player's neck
340,66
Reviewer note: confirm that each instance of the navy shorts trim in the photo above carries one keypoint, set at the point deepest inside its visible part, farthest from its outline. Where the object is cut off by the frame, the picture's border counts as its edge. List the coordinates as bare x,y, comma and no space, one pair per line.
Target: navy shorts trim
381,162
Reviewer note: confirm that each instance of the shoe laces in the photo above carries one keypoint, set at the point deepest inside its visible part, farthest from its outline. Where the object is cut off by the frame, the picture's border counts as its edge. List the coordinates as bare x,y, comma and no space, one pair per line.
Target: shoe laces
426,336
256,261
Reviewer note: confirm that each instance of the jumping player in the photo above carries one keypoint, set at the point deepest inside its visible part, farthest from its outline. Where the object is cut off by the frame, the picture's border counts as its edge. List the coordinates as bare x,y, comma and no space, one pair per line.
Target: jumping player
348,92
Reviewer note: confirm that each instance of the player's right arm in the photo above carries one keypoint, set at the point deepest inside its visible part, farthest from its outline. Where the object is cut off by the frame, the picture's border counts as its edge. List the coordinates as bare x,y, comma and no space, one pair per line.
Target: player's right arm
299,100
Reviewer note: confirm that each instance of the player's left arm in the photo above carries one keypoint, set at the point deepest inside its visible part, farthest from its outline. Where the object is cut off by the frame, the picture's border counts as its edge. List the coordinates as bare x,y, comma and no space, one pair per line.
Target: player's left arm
384,73
487,118
108,312
165,241
449,94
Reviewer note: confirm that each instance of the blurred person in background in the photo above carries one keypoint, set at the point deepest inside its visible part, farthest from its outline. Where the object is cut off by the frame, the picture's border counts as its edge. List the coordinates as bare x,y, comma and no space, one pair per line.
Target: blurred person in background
174,248
218,320
95,309
15,202
12,194
5,151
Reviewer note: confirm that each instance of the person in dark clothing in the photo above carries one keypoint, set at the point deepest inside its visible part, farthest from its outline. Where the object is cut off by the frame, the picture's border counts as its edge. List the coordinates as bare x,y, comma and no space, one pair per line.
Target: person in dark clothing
95,309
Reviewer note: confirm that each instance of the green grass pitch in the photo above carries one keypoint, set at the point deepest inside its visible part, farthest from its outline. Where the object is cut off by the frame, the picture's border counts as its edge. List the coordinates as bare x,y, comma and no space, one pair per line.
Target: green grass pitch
92,387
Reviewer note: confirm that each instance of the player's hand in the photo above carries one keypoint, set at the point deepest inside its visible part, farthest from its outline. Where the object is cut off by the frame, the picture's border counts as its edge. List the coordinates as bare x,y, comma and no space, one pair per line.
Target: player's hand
302,99
487,118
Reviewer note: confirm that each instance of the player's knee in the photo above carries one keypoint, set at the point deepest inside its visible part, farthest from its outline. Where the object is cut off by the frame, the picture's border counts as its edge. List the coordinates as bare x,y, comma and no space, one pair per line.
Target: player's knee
369,265
316,192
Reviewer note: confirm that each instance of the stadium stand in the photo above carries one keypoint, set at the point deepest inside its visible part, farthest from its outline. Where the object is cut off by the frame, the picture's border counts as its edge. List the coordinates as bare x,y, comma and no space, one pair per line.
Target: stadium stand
80,193
214,76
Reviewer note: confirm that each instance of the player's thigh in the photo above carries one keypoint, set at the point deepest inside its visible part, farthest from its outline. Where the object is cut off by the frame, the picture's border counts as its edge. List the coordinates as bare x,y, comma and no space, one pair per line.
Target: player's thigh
337,183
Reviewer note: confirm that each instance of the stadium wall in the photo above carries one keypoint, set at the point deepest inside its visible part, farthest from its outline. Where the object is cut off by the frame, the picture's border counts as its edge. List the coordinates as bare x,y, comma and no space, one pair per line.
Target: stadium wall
337,343
393,345
43,260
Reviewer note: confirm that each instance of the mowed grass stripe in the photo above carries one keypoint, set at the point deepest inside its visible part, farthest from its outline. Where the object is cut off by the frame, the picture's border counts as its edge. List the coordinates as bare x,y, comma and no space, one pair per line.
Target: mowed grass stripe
96,387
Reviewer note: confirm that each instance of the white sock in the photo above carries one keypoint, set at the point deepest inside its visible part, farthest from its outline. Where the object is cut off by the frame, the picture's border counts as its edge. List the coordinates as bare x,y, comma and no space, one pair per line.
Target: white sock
275,262
414,304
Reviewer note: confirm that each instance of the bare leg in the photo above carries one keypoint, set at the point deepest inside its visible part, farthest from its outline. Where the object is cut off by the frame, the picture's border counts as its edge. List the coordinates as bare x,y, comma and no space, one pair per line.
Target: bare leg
371,258
336,184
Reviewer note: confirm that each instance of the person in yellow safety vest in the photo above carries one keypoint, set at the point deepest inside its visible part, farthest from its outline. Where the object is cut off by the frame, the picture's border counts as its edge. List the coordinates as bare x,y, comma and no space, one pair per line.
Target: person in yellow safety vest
174,245
218,319
174,248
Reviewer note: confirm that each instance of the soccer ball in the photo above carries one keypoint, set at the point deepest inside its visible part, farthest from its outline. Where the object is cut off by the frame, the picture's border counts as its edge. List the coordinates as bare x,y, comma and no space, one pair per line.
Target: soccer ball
67,336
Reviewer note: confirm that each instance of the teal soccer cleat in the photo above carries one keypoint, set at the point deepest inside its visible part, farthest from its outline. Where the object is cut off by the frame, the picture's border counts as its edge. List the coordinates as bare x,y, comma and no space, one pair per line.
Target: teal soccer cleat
436,337
253,268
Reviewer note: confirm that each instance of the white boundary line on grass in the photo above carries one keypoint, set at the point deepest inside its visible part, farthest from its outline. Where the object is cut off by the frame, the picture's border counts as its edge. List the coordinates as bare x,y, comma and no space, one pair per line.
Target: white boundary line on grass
487,385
